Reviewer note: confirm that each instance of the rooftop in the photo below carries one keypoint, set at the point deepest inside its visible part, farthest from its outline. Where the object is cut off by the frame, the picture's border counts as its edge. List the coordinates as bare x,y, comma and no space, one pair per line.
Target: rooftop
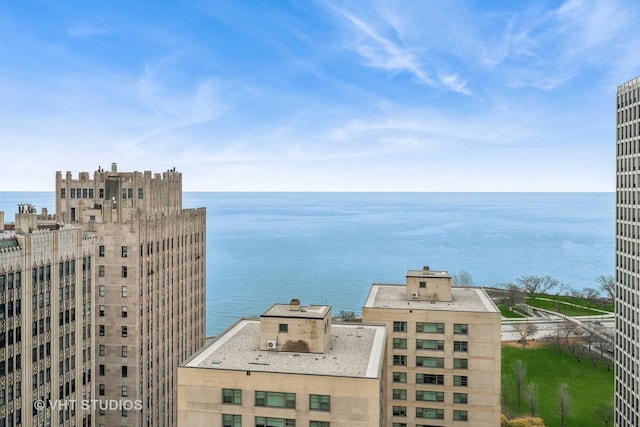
462,299
304,311
355,350
427,273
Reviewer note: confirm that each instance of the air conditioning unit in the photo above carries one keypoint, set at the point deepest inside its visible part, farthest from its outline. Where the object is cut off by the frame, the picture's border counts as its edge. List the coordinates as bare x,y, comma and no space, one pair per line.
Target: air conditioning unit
415,294
272,344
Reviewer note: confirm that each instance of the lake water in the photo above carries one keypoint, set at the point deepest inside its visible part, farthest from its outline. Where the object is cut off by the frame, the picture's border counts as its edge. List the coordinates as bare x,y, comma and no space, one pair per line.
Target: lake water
329,248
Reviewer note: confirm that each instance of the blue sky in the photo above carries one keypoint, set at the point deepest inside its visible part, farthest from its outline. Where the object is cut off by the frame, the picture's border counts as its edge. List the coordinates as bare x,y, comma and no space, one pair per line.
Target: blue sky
317,95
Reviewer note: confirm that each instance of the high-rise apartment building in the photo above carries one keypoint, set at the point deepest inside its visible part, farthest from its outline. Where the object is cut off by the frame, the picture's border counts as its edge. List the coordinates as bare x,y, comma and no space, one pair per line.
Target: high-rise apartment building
627,306
149,289
292,367
426,354
443,351
46,339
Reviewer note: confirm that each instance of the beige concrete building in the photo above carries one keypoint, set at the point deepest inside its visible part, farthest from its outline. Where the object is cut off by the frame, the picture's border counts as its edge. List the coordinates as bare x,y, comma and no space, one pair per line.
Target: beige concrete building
293,367
627,348
150,284
46,321
443,352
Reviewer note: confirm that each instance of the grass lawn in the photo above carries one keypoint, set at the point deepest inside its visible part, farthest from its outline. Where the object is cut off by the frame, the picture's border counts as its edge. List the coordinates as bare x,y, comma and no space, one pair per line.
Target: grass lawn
504,310
569,310
547,368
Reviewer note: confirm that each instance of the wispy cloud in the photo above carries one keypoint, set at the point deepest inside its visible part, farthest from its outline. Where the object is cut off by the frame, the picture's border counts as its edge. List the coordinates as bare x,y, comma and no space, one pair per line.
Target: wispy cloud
383,53
85,29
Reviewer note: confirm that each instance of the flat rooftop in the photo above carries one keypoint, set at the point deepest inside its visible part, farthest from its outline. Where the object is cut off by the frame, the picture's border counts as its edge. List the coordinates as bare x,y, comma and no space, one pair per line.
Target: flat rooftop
304,311
462,299
427,273
354,351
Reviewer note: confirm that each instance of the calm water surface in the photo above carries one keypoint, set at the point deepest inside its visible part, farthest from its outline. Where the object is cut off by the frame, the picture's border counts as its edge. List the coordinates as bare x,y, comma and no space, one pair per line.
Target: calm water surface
328,248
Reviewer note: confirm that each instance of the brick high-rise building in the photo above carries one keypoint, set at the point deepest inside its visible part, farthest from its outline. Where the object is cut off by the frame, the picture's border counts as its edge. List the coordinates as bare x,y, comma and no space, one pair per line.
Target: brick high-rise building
292,367
443,351
627,308
46,323
149,290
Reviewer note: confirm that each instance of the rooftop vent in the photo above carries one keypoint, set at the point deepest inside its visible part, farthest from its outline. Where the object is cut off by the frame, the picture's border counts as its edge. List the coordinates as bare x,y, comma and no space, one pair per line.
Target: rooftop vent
425,268
294,305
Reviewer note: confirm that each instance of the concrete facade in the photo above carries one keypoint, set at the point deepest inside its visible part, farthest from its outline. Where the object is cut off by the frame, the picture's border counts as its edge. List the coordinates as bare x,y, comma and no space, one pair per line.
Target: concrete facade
627,311
238,381
46,321
150,280
443,351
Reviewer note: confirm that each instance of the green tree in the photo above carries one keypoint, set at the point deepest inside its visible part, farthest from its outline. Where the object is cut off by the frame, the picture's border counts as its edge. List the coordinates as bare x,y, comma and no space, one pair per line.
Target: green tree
536,285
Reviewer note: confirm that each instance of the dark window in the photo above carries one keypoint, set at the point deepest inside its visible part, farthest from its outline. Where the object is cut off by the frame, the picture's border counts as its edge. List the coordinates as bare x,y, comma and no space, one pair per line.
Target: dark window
399,326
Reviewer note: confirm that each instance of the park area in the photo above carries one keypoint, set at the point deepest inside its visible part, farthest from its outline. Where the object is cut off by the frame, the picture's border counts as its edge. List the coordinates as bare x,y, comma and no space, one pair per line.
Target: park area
536,374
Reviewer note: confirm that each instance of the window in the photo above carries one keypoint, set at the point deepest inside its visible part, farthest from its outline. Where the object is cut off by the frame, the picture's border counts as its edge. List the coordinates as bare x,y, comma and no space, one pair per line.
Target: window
460,380
430,328
430,344
232,396
101,311
319,424
436,379
460,346
123,371
275,422
101,330
399,425
123,251
423,285
101,270
124,291
429,396
460,398
399,377
231,420
124,311
320,402
283,327
399,360
101,370
101,290
124,332
460,415
460,328
460,363
430,362
400,343
101,389
124,391
124,271
101,250
399,411
399,326
430,413
123,351
124,413
101,350
399,394
275,399
63,193
140,193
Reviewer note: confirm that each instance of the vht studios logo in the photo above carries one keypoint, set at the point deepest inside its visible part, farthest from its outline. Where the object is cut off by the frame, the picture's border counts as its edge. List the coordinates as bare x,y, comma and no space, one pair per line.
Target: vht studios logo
89,404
